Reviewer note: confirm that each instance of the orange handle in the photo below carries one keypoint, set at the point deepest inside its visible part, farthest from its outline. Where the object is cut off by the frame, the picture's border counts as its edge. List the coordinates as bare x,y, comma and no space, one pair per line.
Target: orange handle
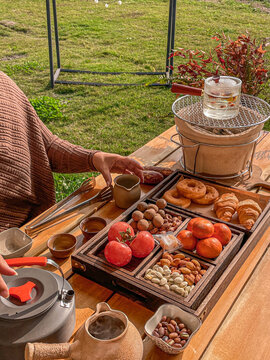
23,292
184,89
27,261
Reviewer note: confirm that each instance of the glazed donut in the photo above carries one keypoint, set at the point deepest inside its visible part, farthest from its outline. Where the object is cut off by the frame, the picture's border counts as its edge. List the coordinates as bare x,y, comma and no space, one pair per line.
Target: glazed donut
172,196
210,196
191,188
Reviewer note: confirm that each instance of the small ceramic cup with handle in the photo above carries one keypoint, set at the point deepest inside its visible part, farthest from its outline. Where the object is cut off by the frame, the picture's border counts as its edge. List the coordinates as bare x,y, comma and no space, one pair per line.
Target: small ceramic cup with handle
126,190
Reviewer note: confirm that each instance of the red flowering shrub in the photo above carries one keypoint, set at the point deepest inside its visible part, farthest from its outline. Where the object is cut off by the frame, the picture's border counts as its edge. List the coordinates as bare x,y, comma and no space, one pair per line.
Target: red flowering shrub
241,58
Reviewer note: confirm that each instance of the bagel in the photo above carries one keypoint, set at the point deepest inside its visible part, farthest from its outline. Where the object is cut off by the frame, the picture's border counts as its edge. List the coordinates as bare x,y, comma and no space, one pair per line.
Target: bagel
191,188
172,196
210,196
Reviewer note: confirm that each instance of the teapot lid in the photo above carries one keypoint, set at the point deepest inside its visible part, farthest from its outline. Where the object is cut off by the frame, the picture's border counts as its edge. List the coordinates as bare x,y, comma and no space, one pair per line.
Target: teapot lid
43,293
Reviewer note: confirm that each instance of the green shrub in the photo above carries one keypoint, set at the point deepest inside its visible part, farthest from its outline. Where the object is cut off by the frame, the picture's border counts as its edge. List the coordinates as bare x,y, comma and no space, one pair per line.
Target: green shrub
48,108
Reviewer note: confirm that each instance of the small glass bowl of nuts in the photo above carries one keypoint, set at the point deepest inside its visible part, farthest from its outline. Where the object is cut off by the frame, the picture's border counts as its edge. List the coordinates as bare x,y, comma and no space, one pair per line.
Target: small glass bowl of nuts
171,328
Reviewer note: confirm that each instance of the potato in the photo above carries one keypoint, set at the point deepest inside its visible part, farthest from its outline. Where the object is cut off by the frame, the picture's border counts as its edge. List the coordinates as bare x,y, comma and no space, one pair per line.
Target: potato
137,215
142,225
161,203
162,213
149,214
153,206
158,221
142,206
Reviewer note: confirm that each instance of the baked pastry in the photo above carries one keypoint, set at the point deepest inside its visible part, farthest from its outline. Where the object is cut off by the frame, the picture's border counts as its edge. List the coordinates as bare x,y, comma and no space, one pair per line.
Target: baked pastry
191,188
248,212
225,206
210,196
172,196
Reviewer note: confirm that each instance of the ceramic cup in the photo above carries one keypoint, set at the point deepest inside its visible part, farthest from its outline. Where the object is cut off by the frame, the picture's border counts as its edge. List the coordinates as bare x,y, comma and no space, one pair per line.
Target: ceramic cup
62,245
126,190
90,226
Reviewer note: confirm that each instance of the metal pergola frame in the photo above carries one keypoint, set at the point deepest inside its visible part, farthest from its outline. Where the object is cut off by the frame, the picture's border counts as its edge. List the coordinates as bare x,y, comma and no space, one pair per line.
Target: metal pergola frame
55,74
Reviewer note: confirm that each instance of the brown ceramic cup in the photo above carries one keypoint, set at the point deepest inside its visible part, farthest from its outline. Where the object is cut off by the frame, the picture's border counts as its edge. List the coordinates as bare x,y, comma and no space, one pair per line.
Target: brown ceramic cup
90,226
62,245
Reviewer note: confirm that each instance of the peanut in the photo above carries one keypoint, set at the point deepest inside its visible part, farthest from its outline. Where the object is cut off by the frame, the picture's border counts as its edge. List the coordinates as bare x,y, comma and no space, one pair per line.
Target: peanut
197,278
203,271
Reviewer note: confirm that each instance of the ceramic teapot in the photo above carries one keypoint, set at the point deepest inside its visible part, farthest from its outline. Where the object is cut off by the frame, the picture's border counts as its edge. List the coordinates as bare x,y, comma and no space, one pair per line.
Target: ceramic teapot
106,335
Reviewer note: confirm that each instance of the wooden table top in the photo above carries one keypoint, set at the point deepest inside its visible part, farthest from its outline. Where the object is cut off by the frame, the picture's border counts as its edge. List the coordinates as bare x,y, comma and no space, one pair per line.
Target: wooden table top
237,327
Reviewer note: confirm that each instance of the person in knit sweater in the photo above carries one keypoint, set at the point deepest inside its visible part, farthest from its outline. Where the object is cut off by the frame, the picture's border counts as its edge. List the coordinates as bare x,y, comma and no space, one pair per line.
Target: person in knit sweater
5,270
30,153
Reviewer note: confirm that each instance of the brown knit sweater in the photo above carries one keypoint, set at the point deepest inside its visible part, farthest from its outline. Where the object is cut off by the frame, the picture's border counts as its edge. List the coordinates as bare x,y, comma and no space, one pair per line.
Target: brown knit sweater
29,153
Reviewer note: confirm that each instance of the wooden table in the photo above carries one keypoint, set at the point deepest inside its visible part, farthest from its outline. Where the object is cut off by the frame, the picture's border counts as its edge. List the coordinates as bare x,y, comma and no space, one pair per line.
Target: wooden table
238,325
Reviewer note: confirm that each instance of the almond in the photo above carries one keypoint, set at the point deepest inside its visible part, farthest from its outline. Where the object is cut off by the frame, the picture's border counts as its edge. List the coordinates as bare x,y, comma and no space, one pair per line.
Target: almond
185,270
182,263
176,262
190,265
165,262
179,256
167,256
189,280
195,262
197,278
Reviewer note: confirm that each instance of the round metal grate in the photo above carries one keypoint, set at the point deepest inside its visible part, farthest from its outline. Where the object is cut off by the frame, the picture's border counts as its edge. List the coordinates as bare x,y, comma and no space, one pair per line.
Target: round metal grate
253,111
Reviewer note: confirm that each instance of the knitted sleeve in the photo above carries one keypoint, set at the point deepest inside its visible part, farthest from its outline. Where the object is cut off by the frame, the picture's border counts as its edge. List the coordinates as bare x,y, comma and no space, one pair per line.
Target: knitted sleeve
65,157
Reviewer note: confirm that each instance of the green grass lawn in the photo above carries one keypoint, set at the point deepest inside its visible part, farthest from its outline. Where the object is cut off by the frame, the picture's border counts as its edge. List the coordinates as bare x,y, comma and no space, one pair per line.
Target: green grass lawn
130,37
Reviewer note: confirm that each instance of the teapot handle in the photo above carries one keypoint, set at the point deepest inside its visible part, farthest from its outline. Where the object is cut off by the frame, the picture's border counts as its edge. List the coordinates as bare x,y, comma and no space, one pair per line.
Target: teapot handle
41,351
101,307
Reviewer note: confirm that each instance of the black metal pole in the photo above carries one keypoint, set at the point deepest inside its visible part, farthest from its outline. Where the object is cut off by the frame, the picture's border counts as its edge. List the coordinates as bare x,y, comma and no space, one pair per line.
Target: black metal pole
173,33
50,41
56,34
169,37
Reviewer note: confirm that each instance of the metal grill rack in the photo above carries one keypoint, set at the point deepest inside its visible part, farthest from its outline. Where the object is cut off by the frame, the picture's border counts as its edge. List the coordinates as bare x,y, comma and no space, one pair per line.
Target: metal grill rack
253,111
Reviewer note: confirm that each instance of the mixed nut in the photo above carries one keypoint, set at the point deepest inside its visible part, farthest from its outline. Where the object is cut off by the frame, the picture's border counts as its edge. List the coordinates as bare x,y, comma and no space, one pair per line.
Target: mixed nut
153,218
173,331
176,272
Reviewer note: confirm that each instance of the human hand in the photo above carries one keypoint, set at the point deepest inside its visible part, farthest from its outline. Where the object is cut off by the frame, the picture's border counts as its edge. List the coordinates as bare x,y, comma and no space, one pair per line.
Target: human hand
5,270
107,163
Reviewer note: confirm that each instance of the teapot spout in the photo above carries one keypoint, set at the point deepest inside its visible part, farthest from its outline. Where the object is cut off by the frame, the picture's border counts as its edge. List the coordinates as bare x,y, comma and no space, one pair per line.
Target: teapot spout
38,351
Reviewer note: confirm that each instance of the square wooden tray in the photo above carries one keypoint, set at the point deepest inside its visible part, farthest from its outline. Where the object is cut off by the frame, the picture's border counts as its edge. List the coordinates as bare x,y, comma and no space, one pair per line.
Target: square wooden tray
90,262
207,210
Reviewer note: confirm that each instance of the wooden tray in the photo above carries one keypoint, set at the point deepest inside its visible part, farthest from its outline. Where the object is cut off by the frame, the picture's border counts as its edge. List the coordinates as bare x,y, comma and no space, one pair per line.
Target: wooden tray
207,210
90,262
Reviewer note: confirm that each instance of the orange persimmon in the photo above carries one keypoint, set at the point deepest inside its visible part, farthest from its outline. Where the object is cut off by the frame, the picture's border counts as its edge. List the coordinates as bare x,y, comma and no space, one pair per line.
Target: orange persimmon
187,239
209,248
202,229
223,233
191,222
